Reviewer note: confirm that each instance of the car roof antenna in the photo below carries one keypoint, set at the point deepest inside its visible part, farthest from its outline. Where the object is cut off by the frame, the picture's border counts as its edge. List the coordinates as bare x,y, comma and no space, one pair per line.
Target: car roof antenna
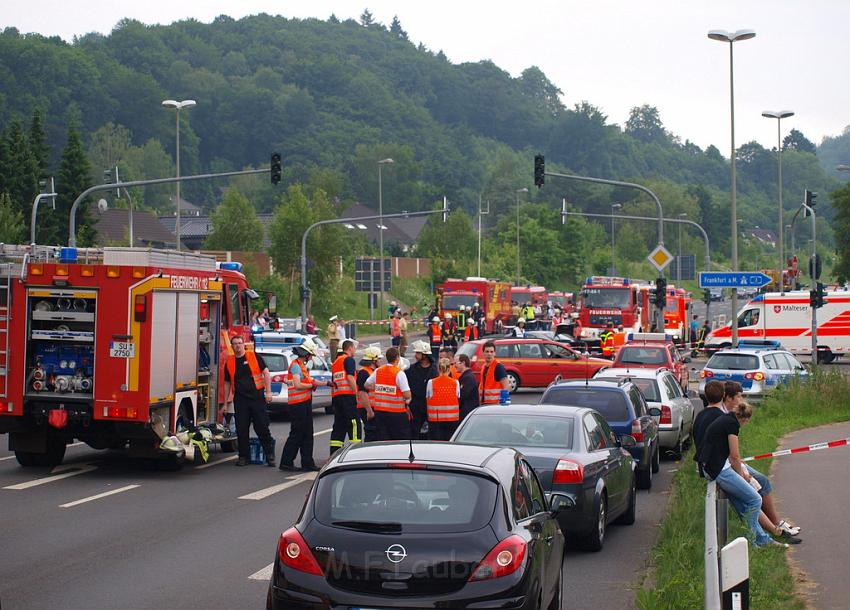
411,457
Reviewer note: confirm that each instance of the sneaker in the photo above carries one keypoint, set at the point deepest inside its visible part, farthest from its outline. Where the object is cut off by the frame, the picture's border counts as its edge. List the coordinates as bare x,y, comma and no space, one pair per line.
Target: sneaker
786,537
242,461
310,468
270,461
787,528
287,467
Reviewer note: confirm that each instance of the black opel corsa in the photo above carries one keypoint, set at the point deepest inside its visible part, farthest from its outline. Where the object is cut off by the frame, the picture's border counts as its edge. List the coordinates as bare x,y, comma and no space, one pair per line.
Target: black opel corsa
421,525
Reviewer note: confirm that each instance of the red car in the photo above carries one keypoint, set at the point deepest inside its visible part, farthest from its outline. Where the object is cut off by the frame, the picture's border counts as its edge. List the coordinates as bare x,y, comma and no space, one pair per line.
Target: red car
651,351
534,363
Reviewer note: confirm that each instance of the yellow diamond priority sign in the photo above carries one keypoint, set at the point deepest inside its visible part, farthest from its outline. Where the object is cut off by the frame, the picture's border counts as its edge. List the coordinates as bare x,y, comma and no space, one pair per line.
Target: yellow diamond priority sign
660,257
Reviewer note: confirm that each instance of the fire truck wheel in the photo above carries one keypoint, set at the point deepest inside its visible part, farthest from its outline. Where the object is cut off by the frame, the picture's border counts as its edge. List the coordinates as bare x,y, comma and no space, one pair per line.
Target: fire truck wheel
52,457
25,458
513,381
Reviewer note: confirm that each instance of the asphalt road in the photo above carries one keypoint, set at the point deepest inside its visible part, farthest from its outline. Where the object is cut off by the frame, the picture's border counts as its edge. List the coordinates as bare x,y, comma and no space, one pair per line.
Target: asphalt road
104,531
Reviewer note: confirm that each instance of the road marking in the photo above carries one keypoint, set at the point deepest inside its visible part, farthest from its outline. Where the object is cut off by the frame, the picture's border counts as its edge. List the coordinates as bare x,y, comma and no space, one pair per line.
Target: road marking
264,574
221,461
321,432
270,491
99,496
81,469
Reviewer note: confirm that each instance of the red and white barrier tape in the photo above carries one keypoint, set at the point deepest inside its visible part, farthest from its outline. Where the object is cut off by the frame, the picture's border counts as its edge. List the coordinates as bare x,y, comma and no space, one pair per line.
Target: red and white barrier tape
817,446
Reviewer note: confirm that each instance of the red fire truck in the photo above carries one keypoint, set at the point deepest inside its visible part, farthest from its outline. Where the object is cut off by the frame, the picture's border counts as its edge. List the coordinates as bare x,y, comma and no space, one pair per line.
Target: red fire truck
676,314
494,298
608,299
536,295
115,347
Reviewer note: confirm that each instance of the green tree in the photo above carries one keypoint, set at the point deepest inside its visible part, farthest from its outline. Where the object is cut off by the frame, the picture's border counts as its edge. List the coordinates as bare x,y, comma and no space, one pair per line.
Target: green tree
841,202
797,141
22,169
108,145
645,124
396,29
12,227
39,149
235,225
449,244
74,178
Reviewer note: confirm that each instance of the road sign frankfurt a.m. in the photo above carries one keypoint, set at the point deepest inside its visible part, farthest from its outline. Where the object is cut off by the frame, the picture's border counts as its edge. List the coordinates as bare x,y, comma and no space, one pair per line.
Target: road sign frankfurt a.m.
733,279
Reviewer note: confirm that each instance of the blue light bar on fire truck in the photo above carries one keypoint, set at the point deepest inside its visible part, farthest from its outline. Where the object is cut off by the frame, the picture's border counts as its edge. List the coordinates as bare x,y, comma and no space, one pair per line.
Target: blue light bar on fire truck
604,280
230,266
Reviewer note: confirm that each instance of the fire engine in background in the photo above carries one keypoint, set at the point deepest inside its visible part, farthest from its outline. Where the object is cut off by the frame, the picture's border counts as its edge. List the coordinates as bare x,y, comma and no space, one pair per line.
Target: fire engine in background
564,300
608,299
115,347
787,318
494,299
536,295
677,313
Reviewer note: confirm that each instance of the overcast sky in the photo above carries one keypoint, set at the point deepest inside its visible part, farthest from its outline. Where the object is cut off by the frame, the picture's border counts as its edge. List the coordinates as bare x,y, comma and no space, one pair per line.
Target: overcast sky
616,54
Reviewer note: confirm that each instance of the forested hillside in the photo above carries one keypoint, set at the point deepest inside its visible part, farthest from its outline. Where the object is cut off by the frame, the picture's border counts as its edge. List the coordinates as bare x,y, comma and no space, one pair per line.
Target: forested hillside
335,97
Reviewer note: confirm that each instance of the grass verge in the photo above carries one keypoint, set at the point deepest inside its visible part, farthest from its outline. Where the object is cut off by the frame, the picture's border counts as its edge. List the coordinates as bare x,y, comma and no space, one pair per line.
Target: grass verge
678,554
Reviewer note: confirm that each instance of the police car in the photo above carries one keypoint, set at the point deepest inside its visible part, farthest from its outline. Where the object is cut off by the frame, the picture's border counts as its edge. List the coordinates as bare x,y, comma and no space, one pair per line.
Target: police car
757,369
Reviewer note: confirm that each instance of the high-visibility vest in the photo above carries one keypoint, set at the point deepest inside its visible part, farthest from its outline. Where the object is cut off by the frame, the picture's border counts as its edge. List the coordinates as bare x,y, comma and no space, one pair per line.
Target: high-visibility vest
387,395
436,333
607,343
619,339
461,320
443,404
297,395
528,313
256,373
471,333
449,329
453,373
491,389
369,370
341,387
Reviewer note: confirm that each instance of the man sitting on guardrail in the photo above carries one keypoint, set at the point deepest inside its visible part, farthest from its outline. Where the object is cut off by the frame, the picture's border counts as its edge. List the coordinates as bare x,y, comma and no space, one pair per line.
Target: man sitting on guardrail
725,400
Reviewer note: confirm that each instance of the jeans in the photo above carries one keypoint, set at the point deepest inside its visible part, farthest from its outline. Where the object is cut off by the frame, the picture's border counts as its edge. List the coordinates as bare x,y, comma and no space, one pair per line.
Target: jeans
746,501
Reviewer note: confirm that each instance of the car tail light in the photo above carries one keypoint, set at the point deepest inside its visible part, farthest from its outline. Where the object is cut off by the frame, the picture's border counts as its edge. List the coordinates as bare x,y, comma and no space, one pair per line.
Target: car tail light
409,465
757,376
666,415
637,431
294,553
568,471
706,374
503,559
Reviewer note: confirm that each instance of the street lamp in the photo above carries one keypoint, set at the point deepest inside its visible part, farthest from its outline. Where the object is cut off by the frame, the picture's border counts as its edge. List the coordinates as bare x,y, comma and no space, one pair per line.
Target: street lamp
779,115
178,106
843,167
481,212
614,206
732,37
381,163
679,260
522,190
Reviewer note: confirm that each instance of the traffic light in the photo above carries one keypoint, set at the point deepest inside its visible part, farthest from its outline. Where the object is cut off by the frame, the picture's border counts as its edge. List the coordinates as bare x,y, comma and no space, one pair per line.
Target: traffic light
539,170
275,168
817,296
706,296
811,198
660,296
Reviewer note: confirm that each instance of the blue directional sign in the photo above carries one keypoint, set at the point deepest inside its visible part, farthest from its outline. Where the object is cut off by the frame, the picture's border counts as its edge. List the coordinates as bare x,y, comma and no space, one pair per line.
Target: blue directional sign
733,279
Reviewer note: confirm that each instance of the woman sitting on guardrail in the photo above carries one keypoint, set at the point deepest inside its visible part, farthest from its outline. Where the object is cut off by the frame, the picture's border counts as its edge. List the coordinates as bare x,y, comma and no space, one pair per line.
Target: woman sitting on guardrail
720,458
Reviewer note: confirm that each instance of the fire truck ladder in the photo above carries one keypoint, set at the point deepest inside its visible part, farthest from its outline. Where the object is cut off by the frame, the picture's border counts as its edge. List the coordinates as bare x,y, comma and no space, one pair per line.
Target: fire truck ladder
5,316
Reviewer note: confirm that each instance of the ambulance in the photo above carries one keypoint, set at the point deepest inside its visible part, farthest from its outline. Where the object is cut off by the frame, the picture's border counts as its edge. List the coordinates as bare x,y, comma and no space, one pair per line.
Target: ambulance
787,319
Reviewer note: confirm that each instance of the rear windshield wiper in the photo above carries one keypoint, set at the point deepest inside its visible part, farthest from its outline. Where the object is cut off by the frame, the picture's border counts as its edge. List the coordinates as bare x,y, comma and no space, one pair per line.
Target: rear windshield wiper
369,526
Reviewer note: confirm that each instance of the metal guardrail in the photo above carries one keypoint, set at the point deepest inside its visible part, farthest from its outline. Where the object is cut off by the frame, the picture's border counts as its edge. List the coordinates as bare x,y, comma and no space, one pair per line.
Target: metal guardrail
726,565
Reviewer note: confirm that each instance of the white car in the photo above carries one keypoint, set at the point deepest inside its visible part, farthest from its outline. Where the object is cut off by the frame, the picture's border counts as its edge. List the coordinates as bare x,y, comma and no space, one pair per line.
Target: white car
287,340
661,390
278,360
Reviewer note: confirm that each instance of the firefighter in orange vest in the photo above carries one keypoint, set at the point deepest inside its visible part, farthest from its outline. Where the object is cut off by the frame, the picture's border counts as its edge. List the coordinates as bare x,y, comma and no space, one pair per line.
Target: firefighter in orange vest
301,388
246,380
390,399
494,387
365,400
435,334
606,341
471,333
344,398
442,395
450,332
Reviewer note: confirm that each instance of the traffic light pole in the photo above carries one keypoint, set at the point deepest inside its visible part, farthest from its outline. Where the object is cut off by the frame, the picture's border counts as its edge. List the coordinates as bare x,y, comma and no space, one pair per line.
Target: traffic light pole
72,221
815,287
305,286
540,173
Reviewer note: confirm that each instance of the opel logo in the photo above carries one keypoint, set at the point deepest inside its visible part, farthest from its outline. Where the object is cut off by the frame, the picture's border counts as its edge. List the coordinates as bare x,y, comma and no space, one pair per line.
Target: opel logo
396,553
